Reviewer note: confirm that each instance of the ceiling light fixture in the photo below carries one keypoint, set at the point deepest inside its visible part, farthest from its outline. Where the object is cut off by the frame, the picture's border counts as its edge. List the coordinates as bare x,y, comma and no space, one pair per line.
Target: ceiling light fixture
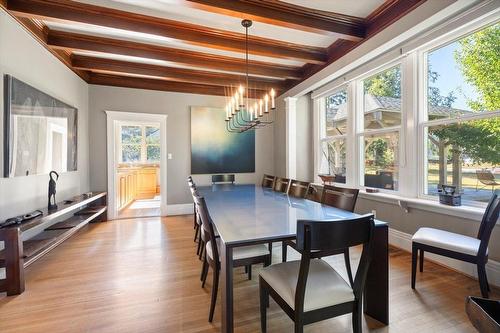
243,114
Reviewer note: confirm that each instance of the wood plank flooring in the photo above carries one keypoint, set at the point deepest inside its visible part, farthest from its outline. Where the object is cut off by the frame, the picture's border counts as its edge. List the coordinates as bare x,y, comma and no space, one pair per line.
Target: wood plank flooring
142,275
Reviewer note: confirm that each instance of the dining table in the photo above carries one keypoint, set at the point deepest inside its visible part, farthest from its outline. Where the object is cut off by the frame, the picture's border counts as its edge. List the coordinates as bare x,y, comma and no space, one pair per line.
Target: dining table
250,214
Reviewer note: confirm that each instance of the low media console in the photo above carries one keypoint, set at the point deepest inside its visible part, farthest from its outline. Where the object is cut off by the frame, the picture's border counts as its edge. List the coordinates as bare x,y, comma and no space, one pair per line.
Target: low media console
29,241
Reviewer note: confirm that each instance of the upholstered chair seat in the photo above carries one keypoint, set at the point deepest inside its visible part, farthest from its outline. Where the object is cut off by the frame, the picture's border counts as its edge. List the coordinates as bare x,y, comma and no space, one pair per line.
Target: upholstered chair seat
242,252
324,288
447,240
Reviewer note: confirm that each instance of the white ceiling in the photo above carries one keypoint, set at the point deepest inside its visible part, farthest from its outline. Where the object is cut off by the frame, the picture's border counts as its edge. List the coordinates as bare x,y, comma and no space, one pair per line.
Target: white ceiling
175,10
359,8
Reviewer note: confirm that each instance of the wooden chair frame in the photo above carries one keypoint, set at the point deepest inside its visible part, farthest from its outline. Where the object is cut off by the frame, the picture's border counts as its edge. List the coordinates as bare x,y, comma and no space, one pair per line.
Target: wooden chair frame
268,181
323,237
488,222
339,197
298,188
281,185
214,262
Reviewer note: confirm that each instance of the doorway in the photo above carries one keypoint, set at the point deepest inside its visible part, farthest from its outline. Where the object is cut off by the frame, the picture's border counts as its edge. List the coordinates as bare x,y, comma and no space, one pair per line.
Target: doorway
137,173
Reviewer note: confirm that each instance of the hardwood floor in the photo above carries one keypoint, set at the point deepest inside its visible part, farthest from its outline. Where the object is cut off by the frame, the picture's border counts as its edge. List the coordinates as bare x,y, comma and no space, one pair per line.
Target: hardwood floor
142,275
142,208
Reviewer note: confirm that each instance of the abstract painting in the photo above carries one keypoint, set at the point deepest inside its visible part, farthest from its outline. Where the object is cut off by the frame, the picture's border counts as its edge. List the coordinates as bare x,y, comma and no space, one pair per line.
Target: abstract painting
214,149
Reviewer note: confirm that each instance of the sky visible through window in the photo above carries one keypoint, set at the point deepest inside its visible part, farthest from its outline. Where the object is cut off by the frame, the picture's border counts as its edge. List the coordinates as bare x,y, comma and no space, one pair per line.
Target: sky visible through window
450,78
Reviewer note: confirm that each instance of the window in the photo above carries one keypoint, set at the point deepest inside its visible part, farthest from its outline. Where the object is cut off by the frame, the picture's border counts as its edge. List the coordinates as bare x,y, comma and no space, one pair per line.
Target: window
131,143
140,144
380,124
152,144
424,115
333,136
461,127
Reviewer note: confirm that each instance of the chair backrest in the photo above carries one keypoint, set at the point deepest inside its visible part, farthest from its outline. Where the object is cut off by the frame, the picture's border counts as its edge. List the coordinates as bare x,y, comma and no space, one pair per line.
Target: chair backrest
328,236
314,193
298,188
281,185
217,179
208,233
339,197
488,222
268,181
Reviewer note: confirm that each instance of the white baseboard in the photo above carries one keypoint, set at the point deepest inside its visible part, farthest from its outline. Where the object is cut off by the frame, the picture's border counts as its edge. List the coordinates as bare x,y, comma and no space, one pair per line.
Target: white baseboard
403,241
180,209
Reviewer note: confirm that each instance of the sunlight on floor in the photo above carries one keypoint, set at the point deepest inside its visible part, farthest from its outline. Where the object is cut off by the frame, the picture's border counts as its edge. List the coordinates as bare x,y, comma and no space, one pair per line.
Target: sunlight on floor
146,203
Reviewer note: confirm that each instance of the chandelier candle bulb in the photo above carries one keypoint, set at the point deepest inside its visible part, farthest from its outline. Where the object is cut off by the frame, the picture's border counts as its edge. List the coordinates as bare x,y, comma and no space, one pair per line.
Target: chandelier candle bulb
260,108
236,103
273,106
241,92
266,102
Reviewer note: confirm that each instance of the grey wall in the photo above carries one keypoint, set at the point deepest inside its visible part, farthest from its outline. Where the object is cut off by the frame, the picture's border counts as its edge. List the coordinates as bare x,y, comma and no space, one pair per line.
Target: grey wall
23,57
416,218
177,107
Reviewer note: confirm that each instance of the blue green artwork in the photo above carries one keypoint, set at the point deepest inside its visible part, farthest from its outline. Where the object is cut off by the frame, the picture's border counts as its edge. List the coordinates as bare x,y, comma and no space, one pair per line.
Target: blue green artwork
214,149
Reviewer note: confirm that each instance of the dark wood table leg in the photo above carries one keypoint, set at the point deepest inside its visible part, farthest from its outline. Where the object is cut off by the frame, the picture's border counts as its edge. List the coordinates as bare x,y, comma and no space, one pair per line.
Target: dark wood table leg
376,297
227,289
13,261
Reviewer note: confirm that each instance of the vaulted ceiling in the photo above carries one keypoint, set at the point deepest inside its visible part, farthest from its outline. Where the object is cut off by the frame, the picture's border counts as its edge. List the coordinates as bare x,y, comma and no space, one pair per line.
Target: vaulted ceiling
198,46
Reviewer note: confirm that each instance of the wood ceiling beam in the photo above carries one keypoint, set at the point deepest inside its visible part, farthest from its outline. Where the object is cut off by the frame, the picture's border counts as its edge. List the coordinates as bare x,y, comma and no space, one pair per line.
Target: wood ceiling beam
287,15
171,73
154,84
191,33
380,18
68,40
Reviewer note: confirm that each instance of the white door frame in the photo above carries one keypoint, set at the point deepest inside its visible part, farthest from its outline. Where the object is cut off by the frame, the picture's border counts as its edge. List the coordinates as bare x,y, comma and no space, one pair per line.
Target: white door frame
113,119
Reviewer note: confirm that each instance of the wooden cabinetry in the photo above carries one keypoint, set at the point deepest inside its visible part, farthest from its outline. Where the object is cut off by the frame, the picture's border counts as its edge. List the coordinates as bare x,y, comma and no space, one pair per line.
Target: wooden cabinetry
135,183
127,187
146,183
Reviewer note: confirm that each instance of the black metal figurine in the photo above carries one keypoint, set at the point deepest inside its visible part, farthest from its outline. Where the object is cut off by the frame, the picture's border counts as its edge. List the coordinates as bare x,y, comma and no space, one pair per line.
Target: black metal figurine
52,190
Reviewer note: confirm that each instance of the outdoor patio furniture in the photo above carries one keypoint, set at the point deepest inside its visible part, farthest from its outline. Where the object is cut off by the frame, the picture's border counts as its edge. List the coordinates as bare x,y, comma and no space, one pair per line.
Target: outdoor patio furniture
487,178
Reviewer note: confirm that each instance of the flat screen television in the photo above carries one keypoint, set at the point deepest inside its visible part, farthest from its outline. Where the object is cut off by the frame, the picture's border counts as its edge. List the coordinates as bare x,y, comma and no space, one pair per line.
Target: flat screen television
40,131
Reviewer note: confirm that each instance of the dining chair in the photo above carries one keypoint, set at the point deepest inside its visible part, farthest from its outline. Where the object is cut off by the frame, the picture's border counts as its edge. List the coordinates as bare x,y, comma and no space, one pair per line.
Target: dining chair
223,179
281,185
314,193
457,246
338,197
298,188
268,181
242,256
197,222
309,289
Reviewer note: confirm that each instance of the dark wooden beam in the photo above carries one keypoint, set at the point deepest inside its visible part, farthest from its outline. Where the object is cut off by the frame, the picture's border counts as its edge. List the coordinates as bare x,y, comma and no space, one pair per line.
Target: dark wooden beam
287,15
380,18
194,34
154,84
67,40
388,13
171,73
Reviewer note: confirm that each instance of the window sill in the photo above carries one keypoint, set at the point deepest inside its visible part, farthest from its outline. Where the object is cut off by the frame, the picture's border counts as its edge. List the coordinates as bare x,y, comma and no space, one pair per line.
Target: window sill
466,212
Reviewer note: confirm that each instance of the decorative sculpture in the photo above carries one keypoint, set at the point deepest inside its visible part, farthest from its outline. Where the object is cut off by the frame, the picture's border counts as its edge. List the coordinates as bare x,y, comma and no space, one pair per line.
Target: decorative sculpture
52,190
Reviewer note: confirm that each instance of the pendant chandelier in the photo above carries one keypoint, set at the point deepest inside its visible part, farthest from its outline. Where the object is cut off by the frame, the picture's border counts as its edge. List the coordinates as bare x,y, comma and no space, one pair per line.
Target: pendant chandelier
243,114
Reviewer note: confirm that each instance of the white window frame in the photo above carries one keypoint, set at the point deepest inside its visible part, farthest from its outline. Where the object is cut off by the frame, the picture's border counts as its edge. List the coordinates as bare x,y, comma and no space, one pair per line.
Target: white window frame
423,122
413,108
323,138
143,144
362,132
